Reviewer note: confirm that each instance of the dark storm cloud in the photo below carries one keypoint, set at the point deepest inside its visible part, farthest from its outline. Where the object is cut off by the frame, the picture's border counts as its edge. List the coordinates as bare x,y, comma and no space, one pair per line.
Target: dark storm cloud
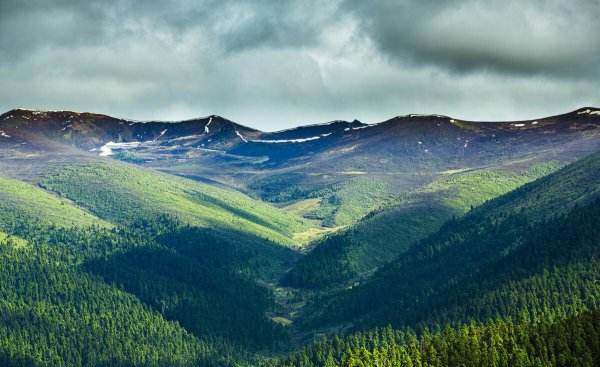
273,64
234,25
542,36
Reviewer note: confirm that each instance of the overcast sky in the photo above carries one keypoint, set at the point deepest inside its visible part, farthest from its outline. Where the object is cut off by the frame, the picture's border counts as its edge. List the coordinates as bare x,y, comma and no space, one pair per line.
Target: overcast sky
273,64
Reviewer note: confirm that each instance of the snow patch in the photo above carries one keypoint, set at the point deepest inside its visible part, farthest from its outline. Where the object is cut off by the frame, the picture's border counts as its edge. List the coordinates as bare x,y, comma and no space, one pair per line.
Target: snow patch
206,130
589,112
292,140
3,134
241,137
107,149
518,125
421,115
66,127
534,123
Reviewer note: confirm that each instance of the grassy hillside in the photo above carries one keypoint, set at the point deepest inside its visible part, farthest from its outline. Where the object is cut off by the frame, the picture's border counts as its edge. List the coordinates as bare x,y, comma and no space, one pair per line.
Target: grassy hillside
122,194
384,234
533,251
20,201
346,202
333,205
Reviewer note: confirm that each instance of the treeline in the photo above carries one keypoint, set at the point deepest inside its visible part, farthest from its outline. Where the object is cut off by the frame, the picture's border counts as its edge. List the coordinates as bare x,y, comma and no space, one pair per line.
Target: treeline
574,341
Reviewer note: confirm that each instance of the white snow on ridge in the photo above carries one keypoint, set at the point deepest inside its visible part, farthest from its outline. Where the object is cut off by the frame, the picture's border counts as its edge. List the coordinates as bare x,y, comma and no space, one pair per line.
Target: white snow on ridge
292,140
206,130
241,137
518,125
3,134
534,123
107,149
589,112
421,115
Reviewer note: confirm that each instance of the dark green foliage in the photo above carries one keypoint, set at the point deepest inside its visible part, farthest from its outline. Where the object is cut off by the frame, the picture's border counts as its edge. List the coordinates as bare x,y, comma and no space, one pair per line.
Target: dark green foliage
346,202
278,190
574,341
382,235
493,262
128,156
209,289
56,315
207,301
340,203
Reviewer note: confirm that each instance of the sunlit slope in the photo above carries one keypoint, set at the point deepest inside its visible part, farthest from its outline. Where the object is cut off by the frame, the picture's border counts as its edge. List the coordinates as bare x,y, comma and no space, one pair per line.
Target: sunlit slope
20,201
124,193
533,249
383,235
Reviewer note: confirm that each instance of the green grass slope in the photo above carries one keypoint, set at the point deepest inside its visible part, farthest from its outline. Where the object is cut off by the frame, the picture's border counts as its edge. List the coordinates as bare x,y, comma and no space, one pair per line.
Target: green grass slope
386,233
334,204
533,251
346,202
123,193
20,201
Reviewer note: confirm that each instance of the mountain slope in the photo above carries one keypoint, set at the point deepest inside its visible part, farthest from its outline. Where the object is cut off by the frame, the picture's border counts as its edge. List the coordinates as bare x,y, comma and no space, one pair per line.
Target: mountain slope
437,271
124,193
384,234
54,314
20,202
574,341
403,153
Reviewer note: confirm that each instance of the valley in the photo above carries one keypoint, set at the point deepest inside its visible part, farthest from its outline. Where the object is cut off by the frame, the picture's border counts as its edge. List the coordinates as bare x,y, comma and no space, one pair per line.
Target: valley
206,242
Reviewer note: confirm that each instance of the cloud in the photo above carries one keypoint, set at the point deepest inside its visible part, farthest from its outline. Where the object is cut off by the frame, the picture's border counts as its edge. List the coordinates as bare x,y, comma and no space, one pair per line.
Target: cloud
550,37
277,64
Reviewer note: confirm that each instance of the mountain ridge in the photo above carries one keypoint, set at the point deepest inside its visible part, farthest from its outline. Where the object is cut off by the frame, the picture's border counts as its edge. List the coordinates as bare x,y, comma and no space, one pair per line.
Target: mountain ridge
594,111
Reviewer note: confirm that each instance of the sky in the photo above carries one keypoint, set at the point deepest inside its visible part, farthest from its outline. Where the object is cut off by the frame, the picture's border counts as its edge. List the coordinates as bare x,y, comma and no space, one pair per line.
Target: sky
274,64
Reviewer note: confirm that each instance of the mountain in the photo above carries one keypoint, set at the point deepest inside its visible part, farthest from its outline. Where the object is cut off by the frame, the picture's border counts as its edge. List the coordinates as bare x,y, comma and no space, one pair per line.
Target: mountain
205,242
341,258
308,162
533,250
